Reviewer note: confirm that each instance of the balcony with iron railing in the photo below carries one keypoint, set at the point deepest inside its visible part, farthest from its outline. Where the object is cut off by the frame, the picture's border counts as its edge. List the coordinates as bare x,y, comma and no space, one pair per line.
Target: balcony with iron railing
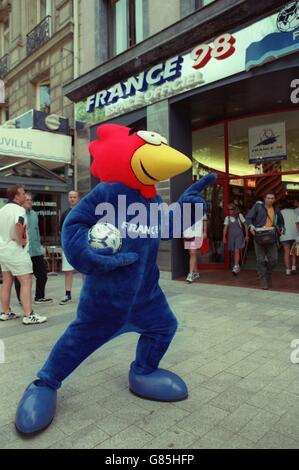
3,66
39,35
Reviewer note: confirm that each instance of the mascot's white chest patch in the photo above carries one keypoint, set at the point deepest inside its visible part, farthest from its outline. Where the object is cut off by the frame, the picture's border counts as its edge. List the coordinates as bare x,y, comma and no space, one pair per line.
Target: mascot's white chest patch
143,230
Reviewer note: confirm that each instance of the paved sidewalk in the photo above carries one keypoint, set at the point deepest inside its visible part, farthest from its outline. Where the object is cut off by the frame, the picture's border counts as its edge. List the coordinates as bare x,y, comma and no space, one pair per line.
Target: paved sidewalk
233,349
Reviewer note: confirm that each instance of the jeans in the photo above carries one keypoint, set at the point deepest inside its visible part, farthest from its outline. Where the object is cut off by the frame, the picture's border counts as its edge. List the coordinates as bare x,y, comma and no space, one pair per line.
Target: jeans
265,267
40,272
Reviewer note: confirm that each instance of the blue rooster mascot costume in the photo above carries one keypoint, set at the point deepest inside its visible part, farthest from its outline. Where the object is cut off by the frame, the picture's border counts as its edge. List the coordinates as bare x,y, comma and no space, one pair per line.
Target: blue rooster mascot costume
121,291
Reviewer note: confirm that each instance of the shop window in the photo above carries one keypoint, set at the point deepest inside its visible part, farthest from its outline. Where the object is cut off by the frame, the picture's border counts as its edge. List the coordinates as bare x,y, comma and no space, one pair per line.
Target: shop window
239,144
208,150
43,96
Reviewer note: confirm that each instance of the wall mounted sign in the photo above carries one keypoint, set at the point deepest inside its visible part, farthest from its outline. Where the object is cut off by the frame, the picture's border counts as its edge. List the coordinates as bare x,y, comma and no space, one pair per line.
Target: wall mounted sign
285,40
38,145
267,143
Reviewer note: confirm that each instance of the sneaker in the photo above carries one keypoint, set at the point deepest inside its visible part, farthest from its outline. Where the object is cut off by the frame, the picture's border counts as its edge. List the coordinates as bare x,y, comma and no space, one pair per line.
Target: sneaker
236,269
189,278
288,272
9,316
65,300
294,269
195,276
34,319
43,301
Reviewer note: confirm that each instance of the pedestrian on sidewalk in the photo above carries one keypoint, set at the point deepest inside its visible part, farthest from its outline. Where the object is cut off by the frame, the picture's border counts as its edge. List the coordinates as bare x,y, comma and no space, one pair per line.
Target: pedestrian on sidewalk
233,234
266,224
191,237
36,253
73,199
14,257
288,238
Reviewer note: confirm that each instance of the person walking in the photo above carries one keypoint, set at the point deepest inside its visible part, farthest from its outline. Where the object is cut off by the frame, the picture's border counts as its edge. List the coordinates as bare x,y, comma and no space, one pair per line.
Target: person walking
14,257
265,223
39,263
288,238
233,234
190,236
73,199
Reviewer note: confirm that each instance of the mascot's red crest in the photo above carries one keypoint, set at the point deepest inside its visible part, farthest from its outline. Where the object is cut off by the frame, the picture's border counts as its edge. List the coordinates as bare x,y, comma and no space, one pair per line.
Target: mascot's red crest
112,154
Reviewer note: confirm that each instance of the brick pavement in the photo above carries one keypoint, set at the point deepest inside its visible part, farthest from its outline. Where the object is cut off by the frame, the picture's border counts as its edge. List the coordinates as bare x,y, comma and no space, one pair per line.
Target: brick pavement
232,348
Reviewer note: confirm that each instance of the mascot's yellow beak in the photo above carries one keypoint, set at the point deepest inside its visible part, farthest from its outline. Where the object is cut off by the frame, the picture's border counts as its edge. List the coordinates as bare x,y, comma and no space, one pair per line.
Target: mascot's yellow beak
153,163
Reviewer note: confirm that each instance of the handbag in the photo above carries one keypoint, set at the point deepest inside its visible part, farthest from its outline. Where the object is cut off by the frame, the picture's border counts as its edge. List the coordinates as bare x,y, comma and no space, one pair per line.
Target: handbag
265,236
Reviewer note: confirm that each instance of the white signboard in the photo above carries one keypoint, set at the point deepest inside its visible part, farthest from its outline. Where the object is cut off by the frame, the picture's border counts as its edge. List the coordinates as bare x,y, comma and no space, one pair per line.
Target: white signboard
267,143
227,55
34,144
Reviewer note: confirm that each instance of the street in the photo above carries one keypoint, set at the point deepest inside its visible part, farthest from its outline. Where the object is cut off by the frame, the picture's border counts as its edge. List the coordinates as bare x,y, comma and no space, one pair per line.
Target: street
233,349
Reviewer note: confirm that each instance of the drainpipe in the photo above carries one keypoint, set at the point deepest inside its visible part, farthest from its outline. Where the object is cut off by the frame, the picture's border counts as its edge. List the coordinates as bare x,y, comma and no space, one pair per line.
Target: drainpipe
76,74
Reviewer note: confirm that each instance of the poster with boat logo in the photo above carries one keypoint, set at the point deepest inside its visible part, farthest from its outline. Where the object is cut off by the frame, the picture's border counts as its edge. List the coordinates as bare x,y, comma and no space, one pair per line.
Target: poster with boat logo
267,143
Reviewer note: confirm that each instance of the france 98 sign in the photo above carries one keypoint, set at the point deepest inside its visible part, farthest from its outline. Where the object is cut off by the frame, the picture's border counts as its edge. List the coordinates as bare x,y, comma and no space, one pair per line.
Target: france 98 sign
267,143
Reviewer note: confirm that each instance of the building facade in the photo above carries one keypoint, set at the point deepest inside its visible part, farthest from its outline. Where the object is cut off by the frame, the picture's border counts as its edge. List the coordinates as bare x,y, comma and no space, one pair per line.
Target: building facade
220,79
37,120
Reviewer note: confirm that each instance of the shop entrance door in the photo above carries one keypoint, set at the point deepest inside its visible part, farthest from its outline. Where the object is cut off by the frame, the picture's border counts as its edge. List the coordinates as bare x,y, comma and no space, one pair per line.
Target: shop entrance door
216,197
245,191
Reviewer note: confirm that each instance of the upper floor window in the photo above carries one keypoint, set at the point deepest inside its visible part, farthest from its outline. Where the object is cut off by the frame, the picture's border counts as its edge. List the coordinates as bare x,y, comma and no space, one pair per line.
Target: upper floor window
4,38
43,9
43,96
132,21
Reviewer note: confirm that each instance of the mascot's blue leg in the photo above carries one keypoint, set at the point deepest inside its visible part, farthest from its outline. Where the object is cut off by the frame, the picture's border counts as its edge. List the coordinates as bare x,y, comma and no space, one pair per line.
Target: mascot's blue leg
158,328
37,407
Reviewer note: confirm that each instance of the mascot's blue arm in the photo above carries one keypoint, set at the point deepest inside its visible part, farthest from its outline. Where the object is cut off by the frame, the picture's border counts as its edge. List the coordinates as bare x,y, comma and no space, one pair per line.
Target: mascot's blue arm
191,196
75,244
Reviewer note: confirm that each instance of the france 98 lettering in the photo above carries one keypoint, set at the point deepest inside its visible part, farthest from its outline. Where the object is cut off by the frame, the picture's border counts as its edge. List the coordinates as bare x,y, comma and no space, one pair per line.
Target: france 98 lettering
223,47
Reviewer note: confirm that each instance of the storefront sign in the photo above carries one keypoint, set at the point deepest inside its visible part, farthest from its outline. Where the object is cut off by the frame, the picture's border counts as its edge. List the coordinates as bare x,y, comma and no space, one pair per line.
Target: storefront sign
283,41
250,183
267,143
39,145
292,186
222,48
237,182
228,55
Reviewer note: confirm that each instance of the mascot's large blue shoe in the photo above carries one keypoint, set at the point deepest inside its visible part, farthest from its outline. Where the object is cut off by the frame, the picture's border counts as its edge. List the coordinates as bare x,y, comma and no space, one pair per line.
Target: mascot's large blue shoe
36,409
160,385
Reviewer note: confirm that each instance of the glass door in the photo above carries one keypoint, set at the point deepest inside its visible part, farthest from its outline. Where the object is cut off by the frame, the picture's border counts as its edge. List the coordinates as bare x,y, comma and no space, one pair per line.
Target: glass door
216,197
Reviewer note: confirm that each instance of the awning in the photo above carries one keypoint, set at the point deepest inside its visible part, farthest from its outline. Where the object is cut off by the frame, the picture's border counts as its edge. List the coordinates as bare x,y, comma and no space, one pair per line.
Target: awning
34,144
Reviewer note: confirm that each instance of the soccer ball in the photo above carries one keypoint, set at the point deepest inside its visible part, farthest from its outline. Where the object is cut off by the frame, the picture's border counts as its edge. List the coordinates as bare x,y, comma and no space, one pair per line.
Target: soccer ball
288,18
104,235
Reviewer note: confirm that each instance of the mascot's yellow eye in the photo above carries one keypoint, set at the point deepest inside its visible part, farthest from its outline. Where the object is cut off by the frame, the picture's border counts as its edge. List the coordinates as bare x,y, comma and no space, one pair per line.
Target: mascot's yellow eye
152,137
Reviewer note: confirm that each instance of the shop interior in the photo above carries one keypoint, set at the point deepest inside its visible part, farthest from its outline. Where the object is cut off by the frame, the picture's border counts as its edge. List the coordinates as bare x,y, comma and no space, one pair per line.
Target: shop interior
224,148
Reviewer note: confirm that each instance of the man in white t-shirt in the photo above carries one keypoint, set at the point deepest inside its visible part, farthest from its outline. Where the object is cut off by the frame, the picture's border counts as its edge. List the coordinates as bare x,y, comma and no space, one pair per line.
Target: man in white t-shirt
14,257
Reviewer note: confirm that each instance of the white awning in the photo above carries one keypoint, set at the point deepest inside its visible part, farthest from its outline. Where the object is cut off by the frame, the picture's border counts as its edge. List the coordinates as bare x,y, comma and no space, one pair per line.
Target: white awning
34,144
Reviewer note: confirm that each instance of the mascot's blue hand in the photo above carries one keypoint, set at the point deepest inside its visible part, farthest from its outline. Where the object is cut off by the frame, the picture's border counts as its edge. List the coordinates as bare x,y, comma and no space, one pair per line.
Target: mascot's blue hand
191,194
103,260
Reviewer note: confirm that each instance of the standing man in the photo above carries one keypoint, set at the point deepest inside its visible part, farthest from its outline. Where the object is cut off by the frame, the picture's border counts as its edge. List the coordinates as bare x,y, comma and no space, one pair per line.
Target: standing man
36,253
263,216
73,199
14,257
